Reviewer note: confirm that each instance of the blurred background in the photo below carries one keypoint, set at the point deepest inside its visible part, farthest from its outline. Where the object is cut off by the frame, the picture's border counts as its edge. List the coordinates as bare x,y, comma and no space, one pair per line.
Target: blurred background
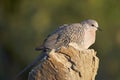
24,24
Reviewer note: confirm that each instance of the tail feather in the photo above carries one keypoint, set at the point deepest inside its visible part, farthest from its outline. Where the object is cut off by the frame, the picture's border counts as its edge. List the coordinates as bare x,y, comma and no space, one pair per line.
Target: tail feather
44,49
38,60
39,48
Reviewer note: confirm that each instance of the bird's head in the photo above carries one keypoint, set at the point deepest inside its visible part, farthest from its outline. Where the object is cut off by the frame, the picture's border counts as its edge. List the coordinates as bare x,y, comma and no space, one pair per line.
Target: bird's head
90,24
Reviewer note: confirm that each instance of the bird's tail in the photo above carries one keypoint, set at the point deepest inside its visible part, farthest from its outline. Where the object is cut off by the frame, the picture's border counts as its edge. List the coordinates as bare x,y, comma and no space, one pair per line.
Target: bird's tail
39,48
42,48
38,60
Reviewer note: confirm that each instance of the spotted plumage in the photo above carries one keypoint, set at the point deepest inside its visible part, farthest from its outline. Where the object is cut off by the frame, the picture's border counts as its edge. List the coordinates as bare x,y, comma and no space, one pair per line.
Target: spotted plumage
83,34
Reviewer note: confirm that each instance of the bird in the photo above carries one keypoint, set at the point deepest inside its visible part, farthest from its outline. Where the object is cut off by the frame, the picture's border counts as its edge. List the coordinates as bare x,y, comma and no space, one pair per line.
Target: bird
82,34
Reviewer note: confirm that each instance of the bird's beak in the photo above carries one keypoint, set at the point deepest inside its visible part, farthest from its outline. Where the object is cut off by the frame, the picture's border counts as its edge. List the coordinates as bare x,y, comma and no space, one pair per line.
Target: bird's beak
99,29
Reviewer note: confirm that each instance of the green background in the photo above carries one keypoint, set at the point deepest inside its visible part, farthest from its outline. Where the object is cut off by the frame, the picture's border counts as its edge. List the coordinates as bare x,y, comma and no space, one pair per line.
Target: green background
24,24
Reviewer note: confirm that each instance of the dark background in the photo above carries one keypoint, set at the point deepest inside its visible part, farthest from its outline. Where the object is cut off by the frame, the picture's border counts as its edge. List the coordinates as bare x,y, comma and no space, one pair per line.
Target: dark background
24,24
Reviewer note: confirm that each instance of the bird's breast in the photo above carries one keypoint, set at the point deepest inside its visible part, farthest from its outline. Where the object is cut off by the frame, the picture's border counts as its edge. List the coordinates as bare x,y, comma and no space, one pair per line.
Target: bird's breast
89,37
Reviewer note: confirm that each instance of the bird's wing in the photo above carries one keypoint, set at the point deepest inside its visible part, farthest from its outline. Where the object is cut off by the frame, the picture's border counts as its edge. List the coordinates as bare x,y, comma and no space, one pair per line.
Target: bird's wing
72,33
63,35
52,38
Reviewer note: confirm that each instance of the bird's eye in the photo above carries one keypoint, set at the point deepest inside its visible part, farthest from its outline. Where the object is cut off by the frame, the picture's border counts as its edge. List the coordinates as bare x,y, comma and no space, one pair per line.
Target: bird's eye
92,25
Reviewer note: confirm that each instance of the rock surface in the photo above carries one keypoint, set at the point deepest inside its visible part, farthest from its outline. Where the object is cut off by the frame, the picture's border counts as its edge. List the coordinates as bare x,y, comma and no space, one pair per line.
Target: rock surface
67,64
